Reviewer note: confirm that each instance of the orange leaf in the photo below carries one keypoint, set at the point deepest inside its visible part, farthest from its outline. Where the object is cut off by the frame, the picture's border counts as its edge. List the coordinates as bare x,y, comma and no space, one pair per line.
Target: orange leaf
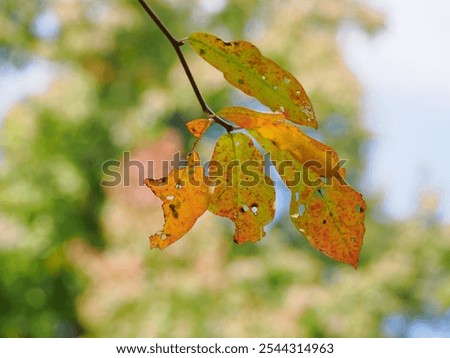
242,193
185,198
243,65
330,215
332,219
308,151
198,127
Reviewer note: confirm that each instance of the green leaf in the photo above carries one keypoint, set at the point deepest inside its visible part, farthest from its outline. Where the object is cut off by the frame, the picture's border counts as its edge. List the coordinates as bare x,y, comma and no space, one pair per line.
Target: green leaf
246,68
242,192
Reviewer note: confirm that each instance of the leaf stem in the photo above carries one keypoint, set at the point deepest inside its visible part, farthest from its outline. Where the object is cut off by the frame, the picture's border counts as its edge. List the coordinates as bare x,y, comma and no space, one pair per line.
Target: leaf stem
176,44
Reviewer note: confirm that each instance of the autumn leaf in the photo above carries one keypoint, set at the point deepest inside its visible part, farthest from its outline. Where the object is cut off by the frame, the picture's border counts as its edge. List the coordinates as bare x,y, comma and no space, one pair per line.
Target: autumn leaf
246,68
321,158
242,192
185,198
332,219
328,213
198,127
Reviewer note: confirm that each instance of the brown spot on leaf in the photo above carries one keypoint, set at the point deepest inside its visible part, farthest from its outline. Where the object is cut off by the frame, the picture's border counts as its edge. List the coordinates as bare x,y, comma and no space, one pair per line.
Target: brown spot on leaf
174,211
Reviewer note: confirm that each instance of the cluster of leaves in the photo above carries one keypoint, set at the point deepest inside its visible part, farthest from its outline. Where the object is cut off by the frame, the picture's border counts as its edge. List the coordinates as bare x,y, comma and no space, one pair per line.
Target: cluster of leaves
324,208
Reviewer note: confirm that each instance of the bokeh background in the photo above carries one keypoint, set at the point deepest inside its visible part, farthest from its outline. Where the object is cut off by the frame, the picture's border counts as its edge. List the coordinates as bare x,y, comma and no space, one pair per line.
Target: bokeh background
83,81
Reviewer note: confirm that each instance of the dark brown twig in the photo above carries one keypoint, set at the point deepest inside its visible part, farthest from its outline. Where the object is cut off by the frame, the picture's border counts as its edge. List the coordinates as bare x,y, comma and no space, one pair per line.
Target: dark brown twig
177,46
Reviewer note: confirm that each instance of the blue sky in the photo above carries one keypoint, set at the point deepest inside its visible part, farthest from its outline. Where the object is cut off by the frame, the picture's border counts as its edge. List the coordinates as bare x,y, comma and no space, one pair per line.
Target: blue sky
16,85
405,73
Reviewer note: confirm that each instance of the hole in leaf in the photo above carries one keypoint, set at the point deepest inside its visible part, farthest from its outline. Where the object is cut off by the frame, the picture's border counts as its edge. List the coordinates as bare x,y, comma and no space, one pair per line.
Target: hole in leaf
301,209
163,236
320,193
287,80
281,109
255,209
358,208
170,197
325,180
244,209
263,77
275,88
297,196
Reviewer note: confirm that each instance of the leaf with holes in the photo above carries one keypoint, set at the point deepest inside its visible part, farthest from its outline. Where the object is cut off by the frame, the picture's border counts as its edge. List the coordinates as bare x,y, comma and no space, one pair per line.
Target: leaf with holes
330,214
321,158
242,193
332,219
185,198
243,65
198,127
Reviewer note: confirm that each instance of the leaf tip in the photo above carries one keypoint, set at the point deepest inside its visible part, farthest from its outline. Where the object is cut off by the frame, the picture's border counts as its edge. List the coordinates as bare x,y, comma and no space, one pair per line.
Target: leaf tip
352,259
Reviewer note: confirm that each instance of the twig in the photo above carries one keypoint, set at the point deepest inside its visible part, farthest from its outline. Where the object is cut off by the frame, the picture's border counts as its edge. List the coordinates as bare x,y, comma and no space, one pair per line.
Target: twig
177,46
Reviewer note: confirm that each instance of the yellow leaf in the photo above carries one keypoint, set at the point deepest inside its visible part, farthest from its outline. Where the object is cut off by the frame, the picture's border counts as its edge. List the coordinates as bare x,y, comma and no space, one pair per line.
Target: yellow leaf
198,127
242,192
308,151
185,198
243,65
329,215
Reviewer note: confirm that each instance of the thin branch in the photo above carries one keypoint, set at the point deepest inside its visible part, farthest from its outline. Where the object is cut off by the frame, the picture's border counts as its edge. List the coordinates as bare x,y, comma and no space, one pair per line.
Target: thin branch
160,24
177,46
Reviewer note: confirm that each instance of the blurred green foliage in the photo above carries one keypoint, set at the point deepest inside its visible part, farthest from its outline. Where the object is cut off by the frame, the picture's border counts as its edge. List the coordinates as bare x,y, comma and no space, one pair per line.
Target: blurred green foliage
74,258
